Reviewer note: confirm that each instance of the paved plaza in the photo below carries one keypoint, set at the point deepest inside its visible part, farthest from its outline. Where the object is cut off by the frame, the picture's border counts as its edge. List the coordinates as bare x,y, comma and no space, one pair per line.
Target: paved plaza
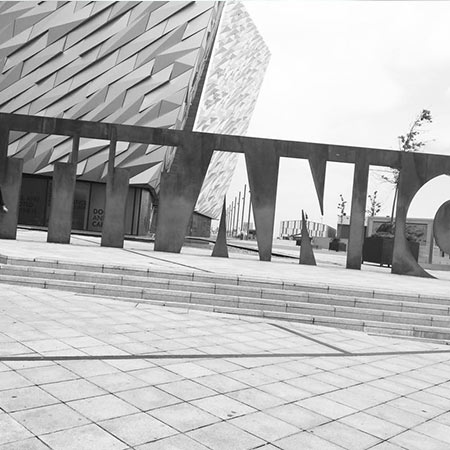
89,372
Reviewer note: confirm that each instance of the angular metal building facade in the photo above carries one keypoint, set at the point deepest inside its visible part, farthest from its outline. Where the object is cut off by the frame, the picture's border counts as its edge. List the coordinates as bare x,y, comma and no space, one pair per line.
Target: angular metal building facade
240,59
196,65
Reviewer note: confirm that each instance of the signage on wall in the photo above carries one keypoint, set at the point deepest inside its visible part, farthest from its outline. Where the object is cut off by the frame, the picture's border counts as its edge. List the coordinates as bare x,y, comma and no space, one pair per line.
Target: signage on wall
97,218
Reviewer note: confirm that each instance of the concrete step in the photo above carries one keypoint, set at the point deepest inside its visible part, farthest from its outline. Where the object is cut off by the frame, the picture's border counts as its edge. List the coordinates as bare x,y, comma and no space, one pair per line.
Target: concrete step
368,326
423,333
263,286
348,304
364,319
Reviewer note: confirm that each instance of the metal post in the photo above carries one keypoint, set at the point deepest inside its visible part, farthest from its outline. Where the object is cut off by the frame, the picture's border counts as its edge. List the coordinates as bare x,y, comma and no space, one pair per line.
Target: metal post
226,219
75,149
238,211
358,210
117,187
249,209
234,216
430,253
243,209
4,142
231,219
10,182
63,193
112,153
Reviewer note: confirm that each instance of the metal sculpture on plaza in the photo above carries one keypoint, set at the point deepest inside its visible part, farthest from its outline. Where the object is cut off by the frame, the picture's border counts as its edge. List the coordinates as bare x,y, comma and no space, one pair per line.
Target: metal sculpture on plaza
306,250
181,185
441,227
220,247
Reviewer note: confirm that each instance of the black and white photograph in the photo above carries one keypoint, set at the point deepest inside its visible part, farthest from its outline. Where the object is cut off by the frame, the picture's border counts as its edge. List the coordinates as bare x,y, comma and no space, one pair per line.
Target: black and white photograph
225,225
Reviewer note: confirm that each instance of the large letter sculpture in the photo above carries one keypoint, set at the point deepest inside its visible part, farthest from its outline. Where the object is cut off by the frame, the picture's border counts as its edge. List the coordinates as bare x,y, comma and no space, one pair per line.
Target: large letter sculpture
180,188
262,170
441,227
181,185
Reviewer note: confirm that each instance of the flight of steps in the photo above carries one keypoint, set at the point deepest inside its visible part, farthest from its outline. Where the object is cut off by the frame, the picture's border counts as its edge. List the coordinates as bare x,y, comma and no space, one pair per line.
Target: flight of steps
379,312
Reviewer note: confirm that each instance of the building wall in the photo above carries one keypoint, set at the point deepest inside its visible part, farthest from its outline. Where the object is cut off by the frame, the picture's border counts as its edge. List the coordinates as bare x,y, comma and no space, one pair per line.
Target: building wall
199,225
315,229
122,62
89,205
34,201
422,229
134,63
144,213
239,62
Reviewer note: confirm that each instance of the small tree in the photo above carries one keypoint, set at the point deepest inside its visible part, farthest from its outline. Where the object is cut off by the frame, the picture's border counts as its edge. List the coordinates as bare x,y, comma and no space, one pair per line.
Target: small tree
374,205
408,143
341,205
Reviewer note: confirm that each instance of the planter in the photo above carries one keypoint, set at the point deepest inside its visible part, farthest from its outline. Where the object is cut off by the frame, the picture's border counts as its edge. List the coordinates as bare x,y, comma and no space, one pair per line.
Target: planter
379,250
337,246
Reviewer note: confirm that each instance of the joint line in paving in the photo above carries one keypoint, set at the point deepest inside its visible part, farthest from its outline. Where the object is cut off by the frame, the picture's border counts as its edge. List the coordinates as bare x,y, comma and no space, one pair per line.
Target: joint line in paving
317,341
165,260
83,238
217,356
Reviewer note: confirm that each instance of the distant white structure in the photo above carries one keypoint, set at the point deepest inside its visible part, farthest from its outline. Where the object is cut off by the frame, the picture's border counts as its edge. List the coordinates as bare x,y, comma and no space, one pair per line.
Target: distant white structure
290,228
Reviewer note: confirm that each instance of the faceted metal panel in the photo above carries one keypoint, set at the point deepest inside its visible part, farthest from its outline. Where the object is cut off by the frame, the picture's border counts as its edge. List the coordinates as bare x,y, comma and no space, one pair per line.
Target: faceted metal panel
123,62
134,63
240,59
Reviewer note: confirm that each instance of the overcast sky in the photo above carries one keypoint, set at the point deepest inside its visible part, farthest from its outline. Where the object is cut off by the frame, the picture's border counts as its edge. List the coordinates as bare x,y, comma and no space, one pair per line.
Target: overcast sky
351,73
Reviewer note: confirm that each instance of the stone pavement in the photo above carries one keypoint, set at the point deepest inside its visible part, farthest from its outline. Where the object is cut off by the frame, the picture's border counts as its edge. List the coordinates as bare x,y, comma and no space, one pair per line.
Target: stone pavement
81,372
